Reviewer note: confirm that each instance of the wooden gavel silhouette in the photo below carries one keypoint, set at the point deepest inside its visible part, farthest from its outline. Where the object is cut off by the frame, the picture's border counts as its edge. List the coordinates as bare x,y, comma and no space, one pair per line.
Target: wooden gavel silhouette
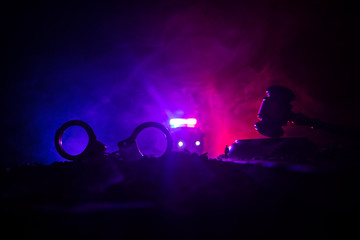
275,112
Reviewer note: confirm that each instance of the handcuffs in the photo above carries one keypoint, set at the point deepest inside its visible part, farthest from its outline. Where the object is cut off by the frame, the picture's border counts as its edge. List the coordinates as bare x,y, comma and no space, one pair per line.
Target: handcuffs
128,148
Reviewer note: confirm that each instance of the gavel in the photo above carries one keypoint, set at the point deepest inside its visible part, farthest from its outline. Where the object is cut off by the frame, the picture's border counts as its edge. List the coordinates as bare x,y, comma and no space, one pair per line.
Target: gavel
276,111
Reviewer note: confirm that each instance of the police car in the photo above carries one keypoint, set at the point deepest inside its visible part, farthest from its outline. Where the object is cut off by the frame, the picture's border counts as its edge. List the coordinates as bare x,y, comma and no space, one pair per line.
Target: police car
186,135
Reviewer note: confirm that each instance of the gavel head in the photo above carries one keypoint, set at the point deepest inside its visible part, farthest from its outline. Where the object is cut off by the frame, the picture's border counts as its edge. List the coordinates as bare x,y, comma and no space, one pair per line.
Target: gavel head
275,111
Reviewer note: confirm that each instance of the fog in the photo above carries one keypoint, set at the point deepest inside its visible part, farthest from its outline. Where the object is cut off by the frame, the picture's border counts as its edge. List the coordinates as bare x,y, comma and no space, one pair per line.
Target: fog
117,65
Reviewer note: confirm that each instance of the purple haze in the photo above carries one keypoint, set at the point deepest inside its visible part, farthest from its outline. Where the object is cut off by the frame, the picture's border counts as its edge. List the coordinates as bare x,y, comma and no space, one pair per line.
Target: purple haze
118,65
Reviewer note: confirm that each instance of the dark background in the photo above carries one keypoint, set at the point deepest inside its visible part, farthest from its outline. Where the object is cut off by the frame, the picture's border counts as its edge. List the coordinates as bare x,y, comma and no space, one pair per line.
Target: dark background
117,64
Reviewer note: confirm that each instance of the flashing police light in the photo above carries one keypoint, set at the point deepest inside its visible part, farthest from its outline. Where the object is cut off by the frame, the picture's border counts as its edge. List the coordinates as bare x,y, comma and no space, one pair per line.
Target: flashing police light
182,122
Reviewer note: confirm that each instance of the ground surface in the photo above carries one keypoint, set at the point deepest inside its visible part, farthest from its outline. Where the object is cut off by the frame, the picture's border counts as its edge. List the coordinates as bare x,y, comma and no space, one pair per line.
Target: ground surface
184,196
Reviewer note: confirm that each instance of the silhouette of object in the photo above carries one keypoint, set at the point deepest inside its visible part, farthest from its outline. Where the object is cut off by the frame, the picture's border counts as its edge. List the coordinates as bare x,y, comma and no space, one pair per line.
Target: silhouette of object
275,112
226,152
188,136
128,148
93,149
274,149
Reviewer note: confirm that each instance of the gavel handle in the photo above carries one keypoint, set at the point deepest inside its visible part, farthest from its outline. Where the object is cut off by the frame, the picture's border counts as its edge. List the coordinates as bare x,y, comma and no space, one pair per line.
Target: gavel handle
301,119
